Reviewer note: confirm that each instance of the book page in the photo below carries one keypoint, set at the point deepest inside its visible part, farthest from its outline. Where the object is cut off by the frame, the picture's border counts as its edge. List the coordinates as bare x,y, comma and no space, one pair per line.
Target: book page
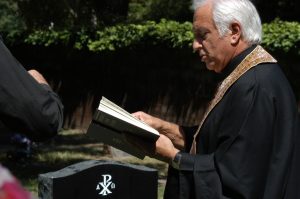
116,111
120,110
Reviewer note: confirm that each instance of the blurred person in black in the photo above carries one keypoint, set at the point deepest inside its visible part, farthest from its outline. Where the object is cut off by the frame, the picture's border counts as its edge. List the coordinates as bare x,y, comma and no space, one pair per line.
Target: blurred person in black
27,105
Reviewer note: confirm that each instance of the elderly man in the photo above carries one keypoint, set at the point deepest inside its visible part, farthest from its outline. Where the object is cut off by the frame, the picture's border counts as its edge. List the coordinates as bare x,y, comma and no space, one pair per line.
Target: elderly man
245,145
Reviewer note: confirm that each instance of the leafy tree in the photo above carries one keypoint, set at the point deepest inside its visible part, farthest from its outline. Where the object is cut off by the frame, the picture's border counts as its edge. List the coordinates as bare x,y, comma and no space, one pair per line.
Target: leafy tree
178,10
137,10
95,14
72,14
284,9
111,11
43,13
11,23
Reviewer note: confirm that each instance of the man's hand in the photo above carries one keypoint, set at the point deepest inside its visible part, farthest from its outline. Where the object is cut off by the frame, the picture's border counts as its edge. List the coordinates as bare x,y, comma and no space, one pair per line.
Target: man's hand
154,122
163,149
38,76
171,130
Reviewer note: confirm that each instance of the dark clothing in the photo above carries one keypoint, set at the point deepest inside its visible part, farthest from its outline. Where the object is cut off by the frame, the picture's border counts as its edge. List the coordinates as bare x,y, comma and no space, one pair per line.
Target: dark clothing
25,105
248,146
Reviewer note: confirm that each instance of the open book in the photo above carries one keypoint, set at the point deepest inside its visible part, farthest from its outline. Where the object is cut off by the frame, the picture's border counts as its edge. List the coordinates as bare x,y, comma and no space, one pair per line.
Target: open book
111,123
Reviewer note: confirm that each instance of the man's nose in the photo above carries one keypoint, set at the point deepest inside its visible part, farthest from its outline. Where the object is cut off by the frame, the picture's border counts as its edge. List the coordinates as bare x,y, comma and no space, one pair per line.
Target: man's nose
196,45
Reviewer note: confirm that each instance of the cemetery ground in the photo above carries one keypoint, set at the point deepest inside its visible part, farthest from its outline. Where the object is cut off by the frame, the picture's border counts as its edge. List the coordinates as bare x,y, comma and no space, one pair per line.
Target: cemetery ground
69,147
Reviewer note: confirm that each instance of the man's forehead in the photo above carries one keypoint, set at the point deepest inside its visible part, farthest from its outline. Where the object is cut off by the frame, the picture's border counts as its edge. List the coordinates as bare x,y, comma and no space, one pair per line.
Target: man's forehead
203,17
201,23
203,13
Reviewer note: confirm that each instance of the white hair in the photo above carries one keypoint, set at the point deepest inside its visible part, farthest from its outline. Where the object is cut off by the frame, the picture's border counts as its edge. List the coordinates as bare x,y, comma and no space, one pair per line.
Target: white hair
225,12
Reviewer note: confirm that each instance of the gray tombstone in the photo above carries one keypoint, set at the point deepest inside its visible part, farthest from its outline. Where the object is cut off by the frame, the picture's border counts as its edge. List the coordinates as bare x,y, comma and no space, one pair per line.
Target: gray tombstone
99,180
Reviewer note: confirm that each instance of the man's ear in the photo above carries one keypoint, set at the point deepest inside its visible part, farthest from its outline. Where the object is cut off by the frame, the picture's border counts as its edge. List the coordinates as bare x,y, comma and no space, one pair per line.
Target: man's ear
236,32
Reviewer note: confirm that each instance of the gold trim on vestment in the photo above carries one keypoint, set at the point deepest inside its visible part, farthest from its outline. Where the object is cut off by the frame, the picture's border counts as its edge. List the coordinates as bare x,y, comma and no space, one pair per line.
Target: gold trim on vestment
257,56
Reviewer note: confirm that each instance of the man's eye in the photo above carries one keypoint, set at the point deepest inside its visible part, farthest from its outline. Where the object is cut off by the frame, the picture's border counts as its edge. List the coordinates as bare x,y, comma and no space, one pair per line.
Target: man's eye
201,36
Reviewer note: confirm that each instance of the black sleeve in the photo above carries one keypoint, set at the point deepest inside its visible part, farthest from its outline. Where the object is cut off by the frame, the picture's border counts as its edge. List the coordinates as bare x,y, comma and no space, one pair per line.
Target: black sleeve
25,105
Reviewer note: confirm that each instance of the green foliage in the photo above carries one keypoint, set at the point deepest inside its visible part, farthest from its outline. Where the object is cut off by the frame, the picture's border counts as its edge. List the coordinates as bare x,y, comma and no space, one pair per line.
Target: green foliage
137,10
118,36
47,38
178,10
72,15
282,35
155,10
171,33
11,24
278,36
176,34
81,39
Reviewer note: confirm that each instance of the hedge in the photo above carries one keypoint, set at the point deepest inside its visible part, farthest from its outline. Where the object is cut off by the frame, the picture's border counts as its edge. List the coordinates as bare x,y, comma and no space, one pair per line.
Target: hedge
277,36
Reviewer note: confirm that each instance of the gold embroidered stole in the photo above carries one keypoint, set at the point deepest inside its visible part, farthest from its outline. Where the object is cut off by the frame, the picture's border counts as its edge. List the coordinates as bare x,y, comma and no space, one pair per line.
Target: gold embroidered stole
257,56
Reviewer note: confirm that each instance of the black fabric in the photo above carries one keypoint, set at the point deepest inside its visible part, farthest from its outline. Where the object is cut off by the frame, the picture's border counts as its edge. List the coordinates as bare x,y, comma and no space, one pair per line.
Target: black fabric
189,132
248,145
25,105
292,188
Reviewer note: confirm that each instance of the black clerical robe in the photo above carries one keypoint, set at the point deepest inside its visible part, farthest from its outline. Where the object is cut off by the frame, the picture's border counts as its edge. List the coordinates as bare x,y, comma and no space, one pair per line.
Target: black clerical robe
25,105
248,146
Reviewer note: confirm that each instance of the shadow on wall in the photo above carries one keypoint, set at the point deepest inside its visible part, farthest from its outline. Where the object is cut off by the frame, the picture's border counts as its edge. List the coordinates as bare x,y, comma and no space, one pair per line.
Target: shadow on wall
169,83
164,82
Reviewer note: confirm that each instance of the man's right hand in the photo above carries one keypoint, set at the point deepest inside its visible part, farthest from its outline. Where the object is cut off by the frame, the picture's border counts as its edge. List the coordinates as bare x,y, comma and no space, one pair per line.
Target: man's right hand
170,130
152,121
38,76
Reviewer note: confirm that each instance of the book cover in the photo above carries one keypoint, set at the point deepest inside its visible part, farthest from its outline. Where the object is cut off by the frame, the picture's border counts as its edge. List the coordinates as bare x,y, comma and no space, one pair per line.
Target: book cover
111,123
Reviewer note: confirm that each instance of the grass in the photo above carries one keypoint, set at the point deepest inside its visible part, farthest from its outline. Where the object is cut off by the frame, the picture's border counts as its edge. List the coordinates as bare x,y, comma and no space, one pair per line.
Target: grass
69,147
